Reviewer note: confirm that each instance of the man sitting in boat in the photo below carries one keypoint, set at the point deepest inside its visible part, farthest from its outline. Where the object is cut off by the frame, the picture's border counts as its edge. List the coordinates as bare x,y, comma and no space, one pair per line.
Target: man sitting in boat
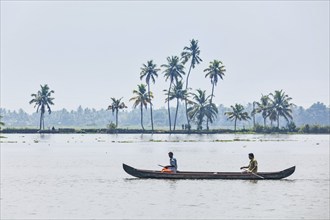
172,168
253,165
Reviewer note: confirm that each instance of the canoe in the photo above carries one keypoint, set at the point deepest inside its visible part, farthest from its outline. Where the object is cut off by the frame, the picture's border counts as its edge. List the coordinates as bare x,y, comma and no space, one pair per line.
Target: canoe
155,174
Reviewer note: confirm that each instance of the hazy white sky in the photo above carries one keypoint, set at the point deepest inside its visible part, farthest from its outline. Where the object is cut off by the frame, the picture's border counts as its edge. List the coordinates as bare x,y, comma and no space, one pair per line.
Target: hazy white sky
91,51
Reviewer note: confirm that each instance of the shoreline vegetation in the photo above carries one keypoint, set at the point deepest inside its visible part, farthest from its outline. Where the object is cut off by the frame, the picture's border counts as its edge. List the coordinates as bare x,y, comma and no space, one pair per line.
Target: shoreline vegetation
306,129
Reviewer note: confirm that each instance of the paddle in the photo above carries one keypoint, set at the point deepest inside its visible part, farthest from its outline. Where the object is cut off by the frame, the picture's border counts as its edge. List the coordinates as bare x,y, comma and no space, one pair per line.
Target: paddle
161,165
254,174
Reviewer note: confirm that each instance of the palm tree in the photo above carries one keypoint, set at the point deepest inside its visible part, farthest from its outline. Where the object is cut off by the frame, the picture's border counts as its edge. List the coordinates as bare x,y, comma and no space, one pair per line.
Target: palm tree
237,113
281,104
173,71
202,107
149,71
179,94
192,52
263,107
215,71
142,99
115,106
42,100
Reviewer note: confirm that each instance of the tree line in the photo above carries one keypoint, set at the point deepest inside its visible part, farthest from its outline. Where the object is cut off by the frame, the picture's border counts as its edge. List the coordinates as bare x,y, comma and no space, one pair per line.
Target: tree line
316,114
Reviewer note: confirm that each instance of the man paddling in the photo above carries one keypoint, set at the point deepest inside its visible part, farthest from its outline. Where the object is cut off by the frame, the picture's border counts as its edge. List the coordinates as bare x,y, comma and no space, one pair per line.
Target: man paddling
172,168
253,165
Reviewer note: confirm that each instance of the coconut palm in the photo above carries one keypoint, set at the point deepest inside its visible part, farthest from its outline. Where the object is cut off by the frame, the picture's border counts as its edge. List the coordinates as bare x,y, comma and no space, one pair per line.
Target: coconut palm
215,71
177,93
149,71
173,71
190,53
201,108
115,106
42,100
281,104
142,99
263,107
237,113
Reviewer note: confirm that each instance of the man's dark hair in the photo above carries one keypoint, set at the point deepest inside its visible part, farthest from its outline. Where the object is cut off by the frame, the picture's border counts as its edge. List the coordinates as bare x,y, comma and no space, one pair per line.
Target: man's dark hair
251,155
170,153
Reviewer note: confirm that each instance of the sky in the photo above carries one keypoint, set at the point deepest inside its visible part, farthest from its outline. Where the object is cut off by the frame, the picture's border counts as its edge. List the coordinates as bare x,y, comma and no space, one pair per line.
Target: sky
90,51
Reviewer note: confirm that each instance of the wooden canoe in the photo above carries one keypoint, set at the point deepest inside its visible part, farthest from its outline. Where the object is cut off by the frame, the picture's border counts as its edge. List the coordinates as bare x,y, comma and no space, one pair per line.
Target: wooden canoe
155,174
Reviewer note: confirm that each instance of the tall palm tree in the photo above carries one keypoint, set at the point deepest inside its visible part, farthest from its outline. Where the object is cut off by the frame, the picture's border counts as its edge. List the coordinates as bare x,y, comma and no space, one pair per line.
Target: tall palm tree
173,71
190,53
281,104
42,100
149,71
263,107
201,108
142,98
177,93
215,71
115,106
237,113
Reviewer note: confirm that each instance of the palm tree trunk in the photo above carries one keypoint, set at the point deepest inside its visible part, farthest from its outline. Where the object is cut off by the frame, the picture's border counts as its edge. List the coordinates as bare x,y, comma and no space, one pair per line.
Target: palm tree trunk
168,105
152,120
176,113
200,122
254,115
207,120
188,122
278,121
264,122
235,123
40,125
142,117
188,76
186,103
116,118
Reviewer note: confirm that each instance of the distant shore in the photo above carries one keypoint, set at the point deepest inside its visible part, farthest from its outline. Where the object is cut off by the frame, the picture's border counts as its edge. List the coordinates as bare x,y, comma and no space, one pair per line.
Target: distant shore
311,130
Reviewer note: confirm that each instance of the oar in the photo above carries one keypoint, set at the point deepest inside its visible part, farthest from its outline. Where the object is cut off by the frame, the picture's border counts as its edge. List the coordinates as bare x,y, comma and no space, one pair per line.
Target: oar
161,165
254,174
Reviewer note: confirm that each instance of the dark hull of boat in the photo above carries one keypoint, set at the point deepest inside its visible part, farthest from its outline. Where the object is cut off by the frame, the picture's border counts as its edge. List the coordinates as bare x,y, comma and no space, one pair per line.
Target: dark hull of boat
154,174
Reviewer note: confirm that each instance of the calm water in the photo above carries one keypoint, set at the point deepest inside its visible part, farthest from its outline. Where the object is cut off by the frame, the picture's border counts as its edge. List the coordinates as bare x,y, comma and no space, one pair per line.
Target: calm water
81,177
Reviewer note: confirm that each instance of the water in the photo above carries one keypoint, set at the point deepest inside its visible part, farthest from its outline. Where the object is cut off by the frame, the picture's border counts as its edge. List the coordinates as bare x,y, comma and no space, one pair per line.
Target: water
77,176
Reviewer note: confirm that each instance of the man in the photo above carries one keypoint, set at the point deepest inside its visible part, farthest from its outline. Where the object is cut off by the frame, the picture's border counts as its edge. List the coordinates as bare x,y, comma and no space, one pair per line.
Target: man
253,165
173,167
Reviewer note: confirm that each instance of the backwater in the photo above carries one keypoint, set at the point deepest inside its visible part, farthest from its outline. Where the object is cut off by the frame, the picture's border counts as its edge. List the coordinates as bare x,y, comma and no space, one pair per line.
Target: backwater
80,176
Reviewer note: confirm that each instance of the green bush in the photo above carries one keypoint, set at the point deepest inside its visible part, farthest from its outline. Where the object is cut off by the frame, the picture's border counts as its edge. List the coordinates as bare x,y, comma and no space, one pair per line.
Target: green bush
111,126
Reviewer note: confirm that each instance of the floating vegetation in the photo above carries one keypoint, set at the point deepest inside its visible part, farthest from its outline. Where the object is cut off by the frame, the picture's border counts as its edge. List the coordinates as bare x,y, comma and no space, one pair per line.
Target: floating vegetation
223,140
8,142
261,140
124,141
152,140
238,139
